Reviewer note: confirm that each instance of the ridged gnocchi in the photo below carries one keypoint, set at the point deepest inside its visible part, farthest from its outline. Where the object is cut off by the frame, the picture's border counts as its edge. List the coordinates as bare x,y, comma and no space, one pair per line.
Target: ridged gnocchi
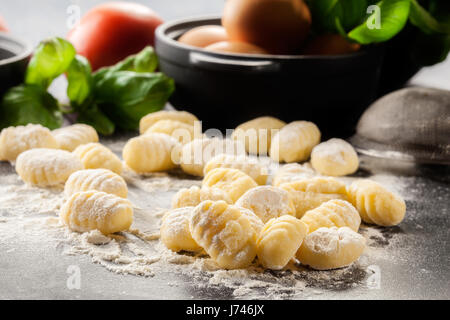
150,119
197,153
255,221
224,233
376,204
250,166
257,134
191,197
95,156
279,241
15,140
334,213
181,131
70,137
175,233
292,172
294,142
233,181
46,167
267,202
95,210
335,157
331,248
150,153
96,179
310,193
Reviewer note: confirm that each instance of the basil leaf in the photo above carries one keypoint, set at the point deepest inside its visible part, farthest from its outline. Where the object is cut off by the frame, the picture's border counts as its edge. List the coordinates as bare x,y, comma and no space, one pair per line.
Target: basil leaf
51,58
29,104
126,96
79,80
422,19
335,15
95,117
394,16
144,61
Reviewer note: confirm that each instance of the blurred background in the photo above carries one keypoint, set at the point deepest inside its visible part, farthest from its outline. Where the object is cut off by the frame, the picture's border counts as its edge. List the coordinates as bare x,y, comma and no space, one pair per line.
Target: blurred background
35,20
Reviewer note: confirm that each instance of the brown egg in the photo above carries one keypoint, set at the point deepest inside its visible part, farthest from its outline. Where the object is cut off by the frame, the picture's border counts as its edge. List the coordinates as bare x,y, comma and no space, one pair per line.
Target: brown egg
278,26
235,47
204,36
330,44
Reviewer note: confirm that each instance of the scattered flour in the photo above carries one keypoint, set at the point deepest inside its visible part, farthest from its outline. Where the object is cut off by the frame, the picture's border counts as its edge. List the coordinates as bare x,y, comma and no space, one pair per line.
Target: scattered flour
33,212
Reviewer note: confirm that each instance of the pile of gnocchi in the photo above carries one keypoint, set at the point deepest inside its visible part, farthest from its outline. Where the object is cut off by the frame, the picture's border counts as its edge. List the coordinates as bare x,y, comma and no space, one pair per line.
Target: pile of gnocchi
242,212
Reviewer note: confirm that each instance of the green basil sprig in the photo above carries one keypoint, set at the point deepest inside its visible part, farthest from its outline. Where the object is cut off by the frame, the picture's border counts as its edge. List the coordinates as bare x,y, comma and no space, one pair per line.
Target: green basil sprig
115,96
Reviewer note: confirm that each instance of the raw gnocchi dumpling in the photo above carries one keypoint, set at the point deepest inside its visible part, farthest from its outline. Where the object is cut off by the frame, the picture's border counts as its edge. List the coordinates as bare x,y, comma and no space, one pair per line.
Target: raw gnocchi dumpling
267,202
233,181
197,153
96,179
292,172
376,204
334,213
47,167
294,142
331,248
70,137
335,157
255,221
248,165
150,153
191,197
224,233
150,119
310,193
181,131
15,140
175,233
95,210
279,241
257,134
95,155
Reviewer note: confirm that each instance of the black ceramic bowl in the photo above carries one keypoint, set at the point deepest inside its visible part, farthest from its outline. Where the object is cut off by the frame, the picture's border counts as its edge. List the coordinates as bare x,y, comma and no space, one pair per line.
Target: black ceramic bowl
14,55
225,90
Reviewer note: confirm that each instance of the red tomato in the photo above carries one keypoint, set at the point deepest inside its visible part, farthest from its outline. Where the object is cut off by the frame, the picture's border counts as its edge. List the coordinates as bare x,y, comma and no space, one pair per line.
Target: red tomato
3,25
112,31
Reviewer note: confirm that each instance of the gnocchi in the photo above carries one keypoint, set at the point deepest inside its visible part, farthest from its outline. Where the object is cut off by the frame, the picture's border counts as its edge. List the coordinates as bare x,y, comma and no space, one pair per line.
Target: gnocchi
194,195
47,167
70,137
294,142
197,153
181,131
267,202
150,119
376,204
175,233
95,155
311,193
279,241
292,172
257,134
150,152
96,179
335,157
334,213
250,166
96,210
255,221
224,233
15,140
233,181
331,248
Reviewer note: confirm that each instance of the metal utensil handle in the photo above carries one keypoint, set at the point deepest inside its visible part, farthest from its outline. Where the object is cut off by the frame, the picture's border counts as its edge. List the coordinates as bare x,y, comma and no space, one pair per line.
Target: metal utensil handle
230,64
